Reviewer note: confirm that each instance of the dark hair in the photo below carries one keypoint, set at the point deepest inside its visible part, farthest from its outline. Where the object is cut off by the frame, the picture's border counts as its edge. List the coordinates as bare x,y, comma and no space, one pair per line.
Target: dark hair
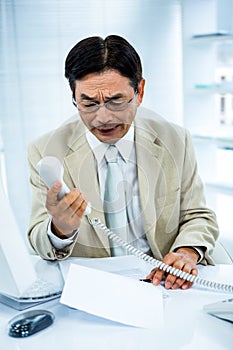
95,54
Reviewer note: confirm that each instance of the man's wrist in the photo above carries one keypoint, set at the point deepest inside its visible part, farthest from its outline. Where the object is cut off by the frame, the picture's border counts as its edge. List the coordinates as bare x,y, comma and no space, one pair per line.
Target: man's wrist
59,243
61,235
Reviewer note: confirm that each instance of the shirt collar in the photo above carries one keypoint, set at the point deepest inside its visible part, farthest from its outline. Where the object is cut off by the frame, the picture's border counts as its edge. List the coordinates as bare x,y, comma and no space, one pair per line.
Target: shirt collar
124,145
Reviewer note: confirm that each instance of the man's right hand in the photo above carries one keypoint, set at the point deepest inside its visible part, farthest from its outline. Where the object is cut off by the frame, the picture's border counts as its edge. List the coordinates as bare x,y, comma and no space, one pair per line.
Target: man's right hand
67,212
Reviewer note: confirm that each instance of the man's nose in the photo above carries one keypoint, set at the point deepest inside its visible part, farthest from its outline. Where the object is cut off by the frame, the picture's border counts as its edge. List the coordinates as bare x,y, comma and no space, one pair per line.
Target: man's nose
103,115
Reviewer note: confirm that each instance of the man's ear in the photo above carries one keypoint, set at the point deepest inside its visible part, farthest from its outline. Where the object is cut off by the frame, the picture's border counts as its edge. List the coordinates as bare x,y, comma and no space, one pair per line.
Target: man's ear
141,87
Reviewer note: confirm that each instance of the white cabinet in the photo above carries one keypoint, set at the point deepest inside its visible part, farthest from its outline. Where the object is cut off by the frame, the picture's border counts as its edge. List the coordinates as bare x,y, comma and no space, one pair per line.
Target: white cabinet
208,101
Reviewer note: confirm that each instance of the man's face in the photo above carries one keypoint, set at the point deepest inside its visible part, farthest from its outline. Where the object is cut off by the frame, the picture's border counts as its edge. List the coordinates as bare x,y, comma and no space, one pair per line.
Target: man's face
108,126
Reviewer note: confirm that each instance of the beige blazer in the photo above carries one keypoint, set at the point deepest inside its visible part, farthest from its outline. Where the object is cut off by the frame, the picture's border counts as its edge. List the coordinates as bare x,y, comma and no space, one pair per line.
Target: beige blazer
174,213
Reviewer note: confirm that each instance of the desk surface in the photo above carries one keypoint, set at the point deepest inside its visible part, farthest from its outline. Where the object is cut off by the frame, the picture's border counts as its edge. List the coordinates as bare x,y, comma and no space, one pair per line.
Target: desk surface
186,326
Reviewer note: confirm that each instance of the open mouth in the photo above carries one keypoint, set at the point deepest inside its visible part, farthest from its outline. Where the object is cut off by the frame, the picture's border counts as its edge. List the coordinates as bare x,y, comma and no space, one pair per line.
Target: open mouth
107,129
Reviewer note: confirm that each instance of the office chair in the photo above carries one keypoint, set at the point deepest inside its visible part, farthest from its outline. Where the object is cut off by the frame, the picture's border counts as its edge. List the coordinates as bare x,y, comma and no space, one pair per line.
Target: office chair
220,255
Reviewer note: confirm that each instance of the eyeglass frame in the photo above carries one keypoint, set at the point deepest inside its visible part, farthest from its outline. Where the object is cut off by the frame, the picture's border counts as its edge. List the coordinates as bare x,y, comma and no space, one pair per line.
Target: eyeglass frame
105,104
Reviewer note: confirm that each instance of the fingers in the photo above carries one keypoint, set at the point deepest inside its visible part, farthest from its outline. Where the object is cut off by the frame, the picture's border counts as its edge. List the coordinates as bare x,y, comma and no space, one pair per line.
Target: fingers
74,200
173,282
78,204
67,212
179,261
156,276
188,284
52,199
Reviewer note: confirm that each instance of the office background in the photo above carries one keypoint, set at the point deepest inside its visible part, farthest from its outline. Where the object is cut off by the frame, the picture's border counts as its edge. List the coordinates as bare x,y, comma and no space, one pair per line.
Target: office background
188,80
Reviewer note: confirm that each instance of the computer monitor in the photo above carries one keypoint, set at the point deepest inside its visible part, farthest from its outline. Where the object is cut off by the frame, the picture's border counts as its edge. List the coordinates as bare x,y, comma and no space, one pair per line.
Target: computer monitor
19,270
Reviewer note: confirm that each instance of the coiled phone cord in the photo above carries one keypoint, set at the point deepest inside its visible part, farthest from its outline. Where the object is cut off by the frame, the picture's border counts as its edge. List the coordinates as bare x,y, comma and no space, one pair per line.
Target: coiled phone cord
50,169
159,264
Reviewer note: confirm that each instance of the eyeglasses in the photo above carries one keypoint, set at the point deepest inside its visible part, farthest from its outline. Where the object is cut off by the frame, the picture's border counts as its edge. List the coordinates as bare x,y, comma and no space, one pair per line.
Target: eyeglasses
112,105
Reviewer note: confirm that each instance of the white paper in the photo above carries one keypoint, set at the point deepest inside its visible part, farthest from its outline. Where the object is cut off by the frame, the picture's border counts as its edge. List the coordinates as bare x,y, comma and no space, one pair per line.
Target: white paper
112,296
126,265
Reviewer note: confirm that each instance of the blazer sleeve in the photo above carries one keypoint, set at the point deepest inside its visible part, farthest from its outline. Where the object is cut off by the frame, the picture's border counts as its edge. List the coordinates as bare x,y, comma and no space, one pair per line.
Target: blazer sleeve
39,218
197,224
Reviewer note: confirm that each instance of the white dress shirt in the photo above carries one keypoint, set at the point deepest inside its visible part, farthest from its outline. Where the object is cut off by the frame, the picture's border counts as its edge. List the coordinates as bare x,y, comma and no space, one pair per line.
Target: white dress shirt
128,164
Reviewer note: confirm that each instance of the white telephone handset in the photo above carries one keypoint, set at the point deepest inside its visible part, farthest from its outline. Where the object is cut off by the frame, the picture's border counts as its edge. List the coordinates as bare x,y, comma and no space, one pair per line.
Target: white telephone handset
51,170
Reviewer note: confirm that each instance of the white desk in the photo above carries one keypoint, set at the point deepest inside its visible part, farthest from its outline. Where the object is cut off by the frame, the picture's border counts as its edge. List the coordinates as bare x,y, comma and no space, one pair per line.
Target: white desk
186,326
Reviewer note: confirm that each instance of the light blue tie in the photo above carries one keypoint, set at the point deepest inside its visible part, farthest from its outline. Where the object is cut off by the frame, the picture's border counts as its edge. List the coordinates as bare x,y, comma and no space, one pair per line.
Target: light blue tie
114,200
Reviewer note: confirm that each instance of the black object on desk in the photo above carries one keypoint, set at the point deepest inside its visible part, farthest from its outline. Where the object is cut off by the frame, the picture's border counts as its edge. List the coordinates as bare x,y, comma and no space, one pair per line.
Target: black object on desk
30,322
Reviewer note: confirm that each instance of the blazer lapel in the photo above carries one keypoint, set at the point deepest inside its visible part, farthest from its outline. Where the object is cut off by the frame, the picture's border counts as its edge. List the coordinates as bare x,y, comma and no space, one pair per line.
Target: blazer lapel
80,172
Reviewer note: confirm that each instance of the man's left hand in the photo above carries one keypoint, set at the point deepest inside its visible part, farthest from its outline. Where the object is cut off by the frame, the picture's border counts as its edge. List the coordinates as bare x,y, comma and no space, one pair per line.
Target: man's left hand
184,259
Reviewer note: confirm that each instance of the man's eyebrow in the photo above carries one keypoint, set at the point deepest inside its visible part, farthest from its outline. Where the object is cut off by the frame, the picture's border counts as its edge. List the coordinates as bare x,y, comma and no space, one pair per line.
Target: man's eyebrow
119,95
89,98
86,97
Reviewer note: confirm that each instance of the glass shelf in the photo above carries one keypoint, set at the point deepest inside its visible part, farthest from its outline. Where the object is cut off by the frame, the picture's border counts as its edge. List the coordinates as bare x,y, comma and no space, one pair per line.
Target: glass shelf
225,142
220,88
212,38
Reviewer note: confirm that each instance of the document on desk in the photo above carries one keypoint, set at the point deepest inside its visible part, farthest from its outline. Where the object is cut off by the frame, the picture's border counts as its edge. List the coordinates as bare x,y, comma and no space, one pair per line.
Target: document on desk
126,265
113,296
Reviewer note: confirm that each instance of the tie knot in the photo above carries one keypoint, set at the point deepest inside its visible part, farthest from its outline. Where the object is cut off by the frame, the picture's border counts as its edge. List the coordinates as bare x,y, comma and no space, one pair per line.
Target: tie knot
111,154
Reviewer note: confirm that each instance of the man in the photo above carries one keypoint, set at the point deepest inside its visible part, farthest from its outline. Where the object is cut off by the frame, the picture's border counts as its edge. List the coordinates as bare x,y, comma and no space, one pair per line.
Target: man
165,207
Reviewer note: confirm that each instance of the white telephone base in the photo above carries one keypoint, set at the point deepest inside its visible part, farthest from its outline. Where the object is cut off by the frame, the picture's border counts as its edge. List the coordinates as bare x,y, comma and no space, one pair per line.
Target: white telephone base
222,309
